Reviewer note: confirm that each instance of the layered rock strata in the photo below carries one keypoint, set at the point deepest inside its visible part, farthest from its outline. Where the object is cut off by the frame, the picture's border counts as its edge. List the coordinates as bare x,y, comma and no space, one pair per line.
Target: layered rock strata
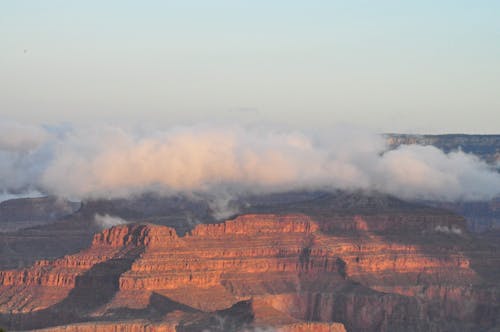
278,271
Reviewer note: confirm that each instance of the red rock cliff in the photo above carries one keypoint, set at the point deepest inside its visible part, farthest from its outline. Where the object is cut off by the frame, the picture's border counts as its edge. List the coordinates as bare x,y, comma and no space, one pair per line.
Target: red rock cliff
295,273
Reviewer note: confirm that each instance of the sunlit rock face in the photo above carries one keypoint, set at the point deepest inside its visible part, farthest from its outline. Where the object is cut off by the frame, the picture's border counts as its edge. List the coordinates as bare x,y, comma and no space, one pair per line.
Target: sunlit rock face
291,272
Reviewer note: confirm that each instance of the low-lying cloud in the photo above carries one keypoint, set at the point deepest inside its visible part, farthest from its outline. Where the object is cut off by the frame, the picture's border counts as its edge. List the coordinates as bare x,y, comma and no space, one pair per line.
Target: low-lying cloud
110,162
107,221
448,230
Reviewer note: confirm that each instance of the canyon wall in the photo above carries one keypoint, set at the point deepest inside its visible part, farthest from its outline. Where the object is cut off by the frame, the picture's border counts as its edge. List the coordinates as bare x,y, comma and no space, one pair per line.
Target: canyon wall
283,271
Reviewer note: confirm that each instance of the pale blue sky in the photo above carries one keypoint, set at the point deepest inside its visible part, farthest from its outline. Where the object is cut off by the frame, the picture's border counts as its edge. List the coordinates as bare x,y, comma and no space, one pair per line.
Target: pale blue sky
416,66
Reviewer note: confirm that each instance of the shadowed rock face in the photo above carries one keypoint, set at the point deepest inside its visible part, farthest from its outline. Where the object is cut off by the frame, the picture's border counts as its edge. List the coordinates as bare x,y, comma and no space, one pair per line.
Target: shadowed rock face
481,216
27,212
179,212
272,270
72,233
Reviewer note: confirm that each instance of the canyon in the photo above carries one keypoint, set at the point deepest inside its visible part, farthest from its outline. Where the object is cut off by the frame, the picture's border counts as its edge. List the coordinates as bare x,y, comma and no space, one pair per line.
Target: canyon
333,263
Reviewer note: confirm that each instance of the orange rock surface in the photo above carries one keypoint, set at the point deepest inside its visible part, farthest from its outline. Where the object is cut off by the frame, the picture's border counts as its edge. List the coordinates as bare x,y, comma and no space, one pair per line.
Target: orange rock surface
297,277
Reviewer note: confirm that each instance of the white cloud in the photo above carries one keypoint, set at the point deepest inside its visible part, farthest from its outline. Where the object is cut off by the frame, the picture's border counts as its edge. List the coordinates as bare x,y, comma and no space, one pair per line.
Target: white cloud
107,221
448,230
112,162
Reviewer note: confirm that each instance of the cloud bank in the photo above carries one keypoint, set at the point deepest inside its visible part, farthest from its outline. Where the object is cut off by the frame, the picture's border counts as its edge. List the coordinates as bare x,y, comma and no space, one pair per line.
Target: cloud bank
111,162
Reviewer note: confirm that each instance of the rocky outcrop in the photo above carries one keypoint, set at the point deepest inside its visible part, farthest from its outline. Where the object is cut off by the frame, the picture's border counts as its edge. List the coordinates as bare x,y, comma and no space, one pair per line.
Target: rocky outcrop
288,272
114,243
250,225
66,233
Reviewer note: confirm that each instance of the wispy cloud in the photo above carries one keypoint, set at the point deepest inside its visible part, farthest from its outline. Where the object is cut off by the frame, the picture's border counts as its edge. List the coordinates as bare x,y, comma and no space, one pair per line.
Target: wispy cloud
107,221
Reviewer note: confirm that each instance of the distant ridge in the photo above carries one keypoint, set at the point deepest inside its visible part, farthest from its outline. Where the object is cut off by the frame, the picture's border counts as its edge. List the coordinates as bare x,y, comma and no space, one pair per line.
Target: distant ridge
486,147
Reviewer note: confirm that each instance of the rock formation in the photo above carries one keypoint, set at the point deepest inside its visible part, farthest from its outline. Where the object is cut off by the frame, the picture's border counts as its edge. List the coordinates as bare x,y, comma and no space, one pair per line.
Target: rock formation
286,271
72,233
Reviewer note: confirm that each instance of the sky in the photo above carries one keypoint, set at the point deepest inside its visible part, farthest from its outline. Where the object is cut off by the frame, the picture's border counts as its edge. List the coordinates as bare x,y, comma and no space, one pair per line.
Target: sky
116,98
390,66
